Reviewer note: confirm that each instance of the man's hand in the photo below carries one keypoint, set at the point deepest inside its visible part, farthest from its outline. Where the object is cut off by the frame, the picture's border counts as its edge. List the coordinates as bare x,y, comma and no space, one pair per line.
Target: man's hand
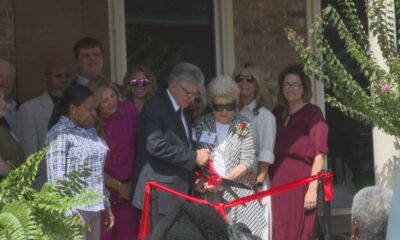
203,155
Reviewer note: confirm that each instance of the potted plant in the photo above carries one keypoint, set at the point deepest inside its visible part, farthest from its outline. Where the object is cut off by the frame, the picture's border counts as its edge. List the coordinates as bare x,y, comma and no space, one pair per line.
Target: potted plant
46,214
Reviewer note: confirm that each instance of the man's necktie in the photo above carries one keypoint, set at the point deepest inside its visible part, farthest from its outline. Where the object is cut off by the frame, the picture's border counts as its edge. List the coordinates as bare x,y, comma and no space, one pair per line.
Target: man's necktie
178,115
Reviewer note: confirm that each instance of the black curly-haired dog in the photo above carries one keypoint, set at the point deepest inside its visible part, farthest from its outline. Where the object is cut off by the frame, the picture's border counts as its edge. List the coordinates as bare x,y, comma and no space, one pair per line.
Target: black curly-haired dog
191,221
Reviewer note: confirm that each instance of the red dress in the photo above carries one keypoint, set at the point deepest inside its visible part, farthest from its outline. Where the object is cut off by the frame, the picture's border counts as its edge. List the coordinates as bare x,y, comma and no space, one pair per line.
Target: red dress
304,137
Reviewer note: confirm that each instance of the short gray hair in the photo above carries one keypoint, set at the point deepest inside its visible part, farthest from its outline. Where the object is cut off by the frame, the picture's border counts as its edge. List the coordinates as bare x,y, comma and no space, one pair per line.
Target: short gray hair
222,86
370,212
186,72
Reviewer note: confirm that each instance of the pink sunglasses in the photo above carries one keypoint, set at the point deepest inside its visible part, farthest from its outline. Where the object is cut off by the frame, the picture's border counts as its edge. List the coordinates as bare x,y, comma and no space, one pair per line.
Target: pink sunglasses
144,82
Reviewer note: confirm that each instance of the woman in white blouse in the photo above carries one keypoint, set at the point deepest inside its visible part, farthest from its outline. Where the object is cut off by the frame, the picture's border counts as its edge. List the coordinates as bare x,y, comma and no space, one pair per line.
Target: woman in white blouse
250,80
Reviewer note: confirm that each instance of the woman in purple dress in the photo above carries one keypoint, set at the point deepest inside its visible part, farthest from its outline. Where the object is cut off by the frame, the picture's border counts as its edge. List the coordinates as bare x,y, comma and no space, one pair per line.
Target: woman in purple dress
300,148
118,121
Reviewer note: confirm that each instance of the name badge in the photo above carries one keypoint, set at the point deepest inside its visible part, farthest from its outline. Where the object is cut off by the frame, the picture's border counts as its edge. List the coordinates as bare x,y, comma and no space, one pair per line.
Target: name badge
208,137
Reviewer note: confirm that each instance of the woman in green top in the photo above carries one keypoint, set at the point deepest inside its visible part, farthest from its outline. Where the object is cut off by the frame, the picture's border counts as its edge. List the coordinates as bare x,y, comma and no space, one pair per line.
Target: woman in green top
11,154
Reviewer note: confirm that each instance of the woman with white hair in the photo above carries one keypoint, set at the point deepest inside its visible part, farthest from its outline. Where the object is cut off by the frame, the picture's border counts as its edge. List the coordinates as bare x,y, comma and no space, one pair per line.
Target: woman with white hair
229,137
370,212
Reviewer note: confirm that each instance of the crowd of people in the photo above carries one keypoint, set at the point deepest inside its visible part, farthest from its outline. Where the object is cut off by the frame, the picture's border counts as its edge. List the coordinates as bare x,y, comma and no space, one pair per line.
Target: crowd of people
130,133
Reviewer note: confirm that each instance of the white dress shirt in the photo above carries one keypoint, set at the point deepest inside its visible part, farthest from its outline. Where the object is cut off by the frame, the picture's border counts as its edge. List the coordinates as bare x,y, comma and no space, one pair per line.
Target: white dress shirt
264,126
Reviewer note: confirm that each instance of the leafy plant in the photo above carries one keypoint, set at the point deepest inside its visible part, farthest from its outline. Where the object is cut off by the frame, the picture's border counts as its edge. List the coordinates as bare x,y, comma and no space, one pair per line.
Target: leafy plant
28,214
377,104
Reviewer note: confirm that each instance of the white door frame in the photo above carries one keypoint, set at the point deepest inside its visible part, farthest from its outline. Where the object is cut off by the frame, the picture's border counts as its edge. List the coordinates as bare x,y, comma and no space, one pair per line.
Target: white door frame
116,28
313,12
224,37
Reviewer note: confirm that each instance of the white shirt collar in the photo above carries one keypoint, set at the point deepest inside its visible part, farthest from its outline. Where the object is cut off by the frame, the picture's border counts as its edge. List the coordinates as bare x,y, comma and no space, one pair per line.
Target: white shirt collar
251,106
11,105
82,80
176,107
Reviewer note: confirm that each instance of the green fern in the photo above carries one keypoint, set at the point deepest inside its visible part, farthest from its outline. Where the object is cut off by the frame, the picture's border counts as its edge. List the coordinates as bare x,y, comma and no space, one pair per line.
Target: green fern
379,104
28,214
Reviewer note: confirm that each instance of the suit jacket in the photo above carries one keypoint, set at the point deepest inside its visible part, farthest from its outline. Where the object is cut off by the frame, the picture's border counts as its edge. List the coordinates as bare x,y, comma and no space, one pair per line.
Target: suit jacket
32,121
10,148
163,152
239,149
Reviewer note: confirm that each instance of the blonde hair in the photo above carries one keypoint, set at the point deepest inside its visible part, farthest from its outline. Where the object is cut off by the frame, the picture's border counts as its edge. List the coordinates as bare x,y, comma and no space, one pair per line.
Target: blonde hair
258,75
126,85
98,87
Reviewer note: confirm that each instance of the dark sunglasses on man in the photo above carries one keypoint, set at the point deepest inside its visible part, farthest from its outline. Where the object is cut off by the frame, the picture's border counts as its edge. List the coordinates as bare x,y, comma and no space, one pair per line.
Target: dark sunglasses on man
144,82
239,78
222,107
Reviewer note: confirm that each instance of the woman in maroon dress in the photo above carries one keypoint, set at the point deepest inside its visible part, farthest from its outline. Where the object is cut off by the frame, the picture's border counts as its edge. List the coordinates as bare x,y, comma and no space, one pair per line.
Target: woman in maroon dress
300,148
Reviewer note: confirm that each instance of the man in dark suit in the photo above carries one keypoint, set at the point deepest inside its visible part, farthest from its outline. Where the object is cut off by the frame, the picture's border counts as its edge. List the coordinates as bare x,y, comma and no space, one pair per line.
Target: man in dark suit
164,150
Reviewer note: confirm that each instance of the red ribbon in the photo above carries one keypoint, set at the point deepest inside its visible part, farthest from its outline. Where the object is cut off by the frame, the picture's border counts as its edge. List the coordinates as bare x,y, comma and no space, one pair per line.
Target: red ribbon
144,230
212,178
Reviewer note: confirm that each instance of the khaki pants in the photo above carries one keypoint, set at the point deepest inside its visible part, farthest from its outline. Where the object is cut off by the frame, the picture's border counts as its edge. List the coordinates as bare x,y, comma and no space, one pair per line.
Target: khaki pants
93,220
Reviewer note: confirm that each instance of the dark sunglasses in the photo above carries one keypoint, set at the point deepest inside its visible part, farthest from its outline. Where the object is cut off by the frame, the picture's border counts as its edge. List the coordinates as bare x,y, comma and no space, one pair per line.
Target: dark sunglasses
144,82
240,78
197,100
221,107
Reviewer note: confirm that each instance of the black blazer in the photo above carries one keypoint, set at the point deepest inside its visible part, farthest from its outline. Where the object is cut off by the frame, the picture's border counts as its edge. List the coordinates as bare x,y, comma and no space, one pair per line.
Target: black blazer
163,152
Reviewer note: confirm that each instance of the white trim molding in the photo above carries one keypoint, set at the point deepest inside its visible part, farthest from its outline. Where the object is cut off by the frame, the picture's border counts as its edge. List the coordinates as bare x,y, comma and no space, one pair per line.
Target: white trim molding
116,23
313,11
385,147
224,37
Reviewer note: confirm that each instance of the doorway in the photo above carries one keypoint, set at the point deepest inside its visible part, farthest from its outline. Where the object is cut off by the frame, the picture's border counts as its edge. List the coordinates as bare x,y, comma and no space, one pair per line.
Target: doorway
162,33
350,141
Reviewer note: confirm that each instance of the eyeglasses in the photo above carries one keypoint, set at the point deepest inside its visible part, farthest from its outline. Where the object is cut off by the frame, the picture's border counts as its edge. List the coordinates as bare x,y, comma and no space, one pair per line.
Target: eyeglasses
295,86
239,78
221,107
188,94
145,82
197,100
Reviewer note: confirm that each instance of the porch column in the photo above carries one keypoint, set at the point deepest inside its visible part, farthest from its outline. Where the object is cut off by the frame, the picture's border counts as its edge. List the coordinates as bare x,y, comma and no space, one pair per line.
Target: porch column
386,148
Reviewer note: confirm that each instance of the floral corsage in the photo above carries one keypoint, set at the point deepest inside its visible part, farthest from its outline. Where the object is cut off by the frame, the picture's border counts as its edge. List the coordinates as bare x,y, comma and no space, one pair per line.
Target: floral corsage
242,129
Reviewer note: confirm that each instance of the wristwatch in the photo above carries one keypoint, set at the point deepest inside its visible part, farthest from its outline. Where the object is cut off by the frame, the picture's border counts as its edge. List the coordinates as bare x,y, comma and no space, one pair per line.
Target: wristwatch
257,186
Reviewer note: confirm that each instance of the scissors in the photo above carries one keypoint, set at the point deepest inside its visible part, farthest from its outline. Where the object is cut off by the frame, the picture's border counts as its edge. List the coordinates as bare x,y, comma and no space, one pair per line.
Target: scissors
211,176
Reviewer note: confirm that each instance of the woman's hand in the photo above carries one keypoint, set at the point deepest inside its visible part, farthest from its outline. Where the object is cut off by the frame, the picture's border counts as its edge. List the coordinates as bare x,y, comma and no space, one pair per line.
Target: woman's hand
202,186
109,219
310,200
124,190
212,188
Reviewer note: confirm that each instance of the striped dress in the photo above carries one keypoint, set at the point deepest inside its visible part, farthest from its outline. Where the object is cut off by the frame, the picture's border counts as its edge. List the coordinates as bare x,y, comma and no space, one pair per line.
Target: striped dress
239,150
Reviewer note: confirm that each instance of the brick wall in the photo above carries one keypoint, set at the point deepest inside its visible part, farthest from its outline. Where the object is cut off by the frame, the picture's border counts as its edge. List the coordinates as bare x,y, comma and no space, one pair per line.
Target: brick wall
7,35
260,37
